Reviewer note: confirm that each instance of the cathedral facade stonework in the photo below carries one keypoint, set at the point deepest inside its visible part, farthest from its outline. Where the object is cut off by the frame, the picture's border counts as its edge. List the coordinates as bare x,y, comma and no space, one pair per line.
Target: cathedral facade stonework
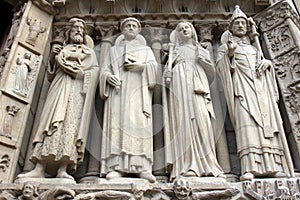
140,99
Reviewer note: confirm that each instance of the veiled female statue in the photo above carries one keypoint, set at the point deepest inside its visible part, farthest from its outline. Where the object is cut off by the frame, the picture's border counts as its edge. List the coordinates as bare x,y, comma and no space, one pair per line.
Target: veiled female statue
188,109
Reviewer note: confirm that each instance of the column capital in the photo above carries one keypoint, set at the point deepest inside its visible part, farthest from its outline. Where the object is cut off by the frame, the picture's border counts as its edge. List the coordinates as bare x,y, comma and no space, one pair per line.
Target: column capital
205,31
155,34
106,30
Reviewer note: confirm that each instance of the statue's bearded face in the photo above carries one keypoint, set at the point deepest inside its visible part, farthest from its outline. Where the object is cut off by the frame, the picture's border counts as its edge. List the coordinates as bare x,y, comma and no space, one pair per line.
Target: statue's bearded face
76,33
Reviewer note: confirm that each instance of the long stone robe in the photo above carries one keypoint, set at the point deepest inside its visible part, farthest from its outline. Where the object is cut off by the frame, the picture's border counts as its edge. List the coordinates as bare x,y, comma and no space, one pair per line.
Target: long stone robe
127,143
64,122
188,114
253,110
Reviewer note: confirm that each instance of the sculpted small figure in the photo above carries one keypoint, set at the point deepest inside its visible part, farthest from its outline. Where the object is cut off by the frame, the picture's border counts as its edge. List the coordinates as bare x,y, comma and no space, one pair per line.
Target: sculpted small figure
188,109
29,192
64,122
251,93
127,79
23,68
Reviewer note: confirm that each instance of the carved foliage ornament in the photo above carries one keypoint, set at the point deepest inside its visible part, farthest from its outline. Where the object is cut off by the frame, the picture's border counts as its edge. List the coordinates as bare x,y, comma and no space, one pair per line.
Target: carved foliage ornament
277,16
288,70
280,40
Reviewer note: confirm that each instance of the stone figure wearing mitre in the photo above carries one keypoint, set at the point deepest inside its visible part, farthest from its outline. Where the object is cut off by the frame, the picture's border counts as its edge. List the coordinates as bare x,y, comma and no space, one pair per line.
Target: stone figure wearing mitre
127,80
252,98
64,123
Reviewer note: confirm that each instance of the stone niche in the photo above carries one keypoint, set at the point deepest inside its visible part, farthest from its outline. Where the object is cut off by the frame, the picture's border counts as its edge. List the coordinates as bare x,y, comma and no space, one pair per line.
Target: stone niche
37,24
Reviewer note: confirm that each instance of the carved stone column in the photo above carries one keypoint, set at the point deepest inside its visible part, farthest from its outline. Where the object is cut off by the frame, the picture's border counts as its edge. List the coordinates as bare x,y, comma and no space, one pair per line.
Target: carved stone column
206,39
280,28
21,81
155,36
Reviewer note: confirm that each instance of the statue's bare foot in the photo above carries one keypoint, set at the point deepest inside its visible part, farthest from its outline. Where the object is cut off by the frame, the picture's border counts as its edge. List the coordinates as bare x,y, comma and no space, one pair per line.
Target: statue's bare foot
32,174
222,176
63,174
113,174
148,176
280,175
190,173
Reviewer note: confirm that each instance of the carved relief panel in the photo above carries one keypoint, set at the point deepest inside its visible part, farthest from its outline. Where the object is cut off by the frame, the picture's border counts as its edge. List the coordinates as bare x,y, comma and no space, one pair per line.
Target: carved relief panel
271,190
22,74
280,26
11,121
35,29
280,40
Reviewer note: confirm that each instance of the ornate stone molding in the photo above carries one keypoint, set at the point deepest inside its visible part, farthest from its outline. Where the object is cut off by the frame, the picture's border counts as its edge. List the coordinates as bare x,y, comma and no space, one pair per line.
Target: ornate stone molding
46,5
276,15
271,189
264,189
280,27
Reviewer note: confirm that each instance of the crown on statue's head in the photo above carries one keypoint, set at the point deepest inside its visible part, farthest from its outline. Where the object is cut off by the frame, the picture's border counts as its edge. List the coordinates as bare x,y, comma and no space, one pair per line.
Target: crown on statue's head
238,13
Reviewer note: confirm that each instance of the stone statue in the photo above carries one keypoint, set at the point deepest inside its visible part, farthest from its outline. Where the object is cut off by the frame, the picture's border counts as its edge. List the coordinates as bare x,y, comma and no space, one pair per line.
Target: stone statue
29,192
127,79
251,93
188,110
23,68
63,127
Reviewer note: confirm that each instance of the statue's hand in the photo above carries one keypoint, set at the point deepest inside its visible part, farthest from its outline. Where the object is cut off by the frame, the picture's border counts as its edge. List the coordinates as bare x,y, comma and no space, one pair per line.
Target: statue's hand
114,81
231,47
168,76
56,48
76,73
263,66
134,67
